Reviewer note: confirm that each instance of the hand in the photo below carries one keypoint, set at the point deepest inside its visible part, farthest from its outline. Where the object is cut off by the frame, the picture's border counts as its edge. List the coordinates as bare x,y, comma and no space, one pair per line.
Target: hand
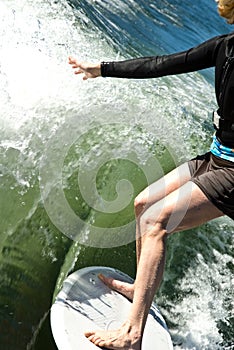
89,70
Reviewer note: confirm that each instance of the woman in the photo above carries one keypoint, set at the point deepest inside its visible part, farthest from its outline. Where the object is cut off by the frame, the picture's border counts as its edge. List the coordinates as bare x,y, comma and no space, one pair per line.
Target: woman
194,193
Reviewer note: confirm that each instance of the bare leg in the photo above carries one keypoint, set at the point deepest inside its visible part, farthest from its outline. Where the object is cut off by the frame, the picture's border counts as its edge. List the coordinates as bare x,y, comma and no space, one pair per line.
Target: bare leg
184,208
156,192
152,194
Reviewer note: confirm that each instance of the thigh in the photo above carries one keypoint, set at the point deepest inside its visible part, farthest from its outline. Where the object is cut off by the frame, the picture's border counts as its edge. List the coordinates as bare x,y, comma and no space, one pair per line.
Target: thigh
164,186
182,209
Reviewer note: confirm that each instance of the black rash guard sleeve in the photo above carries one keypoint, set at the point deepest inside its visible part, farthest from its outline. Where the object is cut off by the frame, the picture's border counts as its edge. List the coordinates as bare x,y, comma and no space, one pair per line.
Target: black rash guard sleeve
197,58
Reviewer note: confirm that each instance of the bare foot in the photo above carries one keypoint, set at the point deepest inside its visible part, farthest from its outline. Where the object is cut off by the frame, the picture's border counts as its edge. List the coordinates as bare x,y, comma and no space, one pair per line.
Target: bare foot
125,338
124,288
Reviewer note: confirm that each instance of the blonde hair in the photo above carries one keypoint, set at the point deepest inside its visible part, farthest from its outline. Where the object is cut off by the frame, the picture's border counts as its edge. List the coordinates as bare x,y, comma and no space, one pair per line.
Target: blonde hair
226,9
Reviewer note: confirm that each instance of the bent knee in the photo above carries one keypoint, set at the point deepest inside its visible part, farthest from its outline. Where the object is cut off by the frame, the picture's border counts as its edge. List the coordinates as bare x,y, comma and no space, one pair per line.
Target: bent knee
156,219
140,202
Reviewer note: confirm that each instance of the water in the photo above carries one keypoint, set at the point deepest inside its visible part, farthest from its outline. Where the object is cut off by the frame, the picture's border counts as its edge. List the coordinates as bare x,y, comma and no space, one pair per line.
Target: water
74,154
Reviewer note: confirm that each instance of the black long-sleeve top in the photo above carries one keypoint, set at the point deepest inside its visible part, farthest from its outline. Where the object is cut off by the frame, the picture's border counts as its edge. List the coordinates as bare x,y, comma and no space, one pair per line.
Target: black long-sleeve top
217,52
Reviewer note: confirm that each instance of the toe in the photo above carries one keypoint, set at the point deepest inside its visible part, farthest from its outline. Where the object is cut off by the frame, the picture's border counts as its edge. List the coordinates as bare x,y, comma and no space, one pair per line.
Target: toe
88,334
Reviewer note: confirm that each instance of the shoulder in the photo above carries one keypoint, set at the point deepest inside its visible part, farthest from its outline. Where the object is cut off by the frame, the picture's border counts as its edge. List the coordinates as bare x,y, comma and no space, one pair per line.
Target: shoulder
224,43
219,43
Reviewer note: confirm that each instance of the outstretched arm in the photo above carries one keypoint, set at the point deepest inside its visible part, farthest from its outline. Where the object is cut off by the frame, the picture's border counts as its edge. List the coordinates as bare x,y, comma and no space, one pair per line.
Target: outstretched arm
89,70
197,58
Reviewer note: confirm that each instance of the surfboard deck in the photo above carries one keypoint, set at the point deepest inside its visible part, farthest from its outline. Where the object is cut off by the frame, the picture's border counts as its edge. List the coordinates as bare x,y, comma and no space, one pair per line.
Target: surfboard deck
85,303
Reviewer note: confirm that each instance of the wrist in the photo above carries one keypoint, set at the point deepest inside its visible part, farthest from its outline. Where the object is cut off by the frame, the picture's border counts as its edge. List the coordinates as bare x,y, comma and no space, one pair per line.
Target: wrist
98,68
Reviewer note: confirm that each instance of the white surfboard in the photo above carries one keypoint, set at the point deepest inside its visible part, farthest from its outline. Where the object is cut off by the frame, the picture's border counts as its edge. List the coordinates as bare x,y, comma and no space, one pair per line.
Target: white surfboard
85,303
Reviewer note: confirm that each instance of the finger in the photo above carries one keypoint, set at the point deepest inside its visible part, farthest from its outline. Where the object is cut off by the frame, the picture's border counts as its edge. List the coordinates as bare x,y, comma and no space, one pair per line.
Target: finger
72,60
74,64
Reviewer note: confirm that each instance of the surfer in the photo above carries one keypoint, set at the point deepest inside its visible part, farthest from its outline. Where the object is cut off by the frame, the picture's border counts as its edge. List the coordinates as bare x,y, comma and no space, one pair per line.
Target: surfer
198,191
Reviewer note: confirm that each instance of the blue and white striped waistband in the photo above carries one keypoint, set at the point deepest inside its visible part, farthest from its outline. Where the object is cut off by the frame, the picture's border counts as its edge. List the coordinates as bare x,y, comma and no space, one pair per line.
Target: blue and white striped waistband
221,151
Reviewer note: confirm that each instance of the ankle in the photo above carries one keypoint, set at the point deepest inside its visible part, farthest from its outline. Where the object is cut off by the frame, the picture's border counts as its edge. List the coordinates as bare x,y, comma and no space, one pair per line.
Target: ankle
134,331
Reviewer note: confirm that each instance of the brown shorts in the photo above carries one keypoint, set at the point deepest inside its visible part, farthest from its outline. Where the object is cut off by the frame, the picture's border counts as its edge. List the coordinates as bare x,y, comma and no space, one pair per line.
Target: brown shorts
215,177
